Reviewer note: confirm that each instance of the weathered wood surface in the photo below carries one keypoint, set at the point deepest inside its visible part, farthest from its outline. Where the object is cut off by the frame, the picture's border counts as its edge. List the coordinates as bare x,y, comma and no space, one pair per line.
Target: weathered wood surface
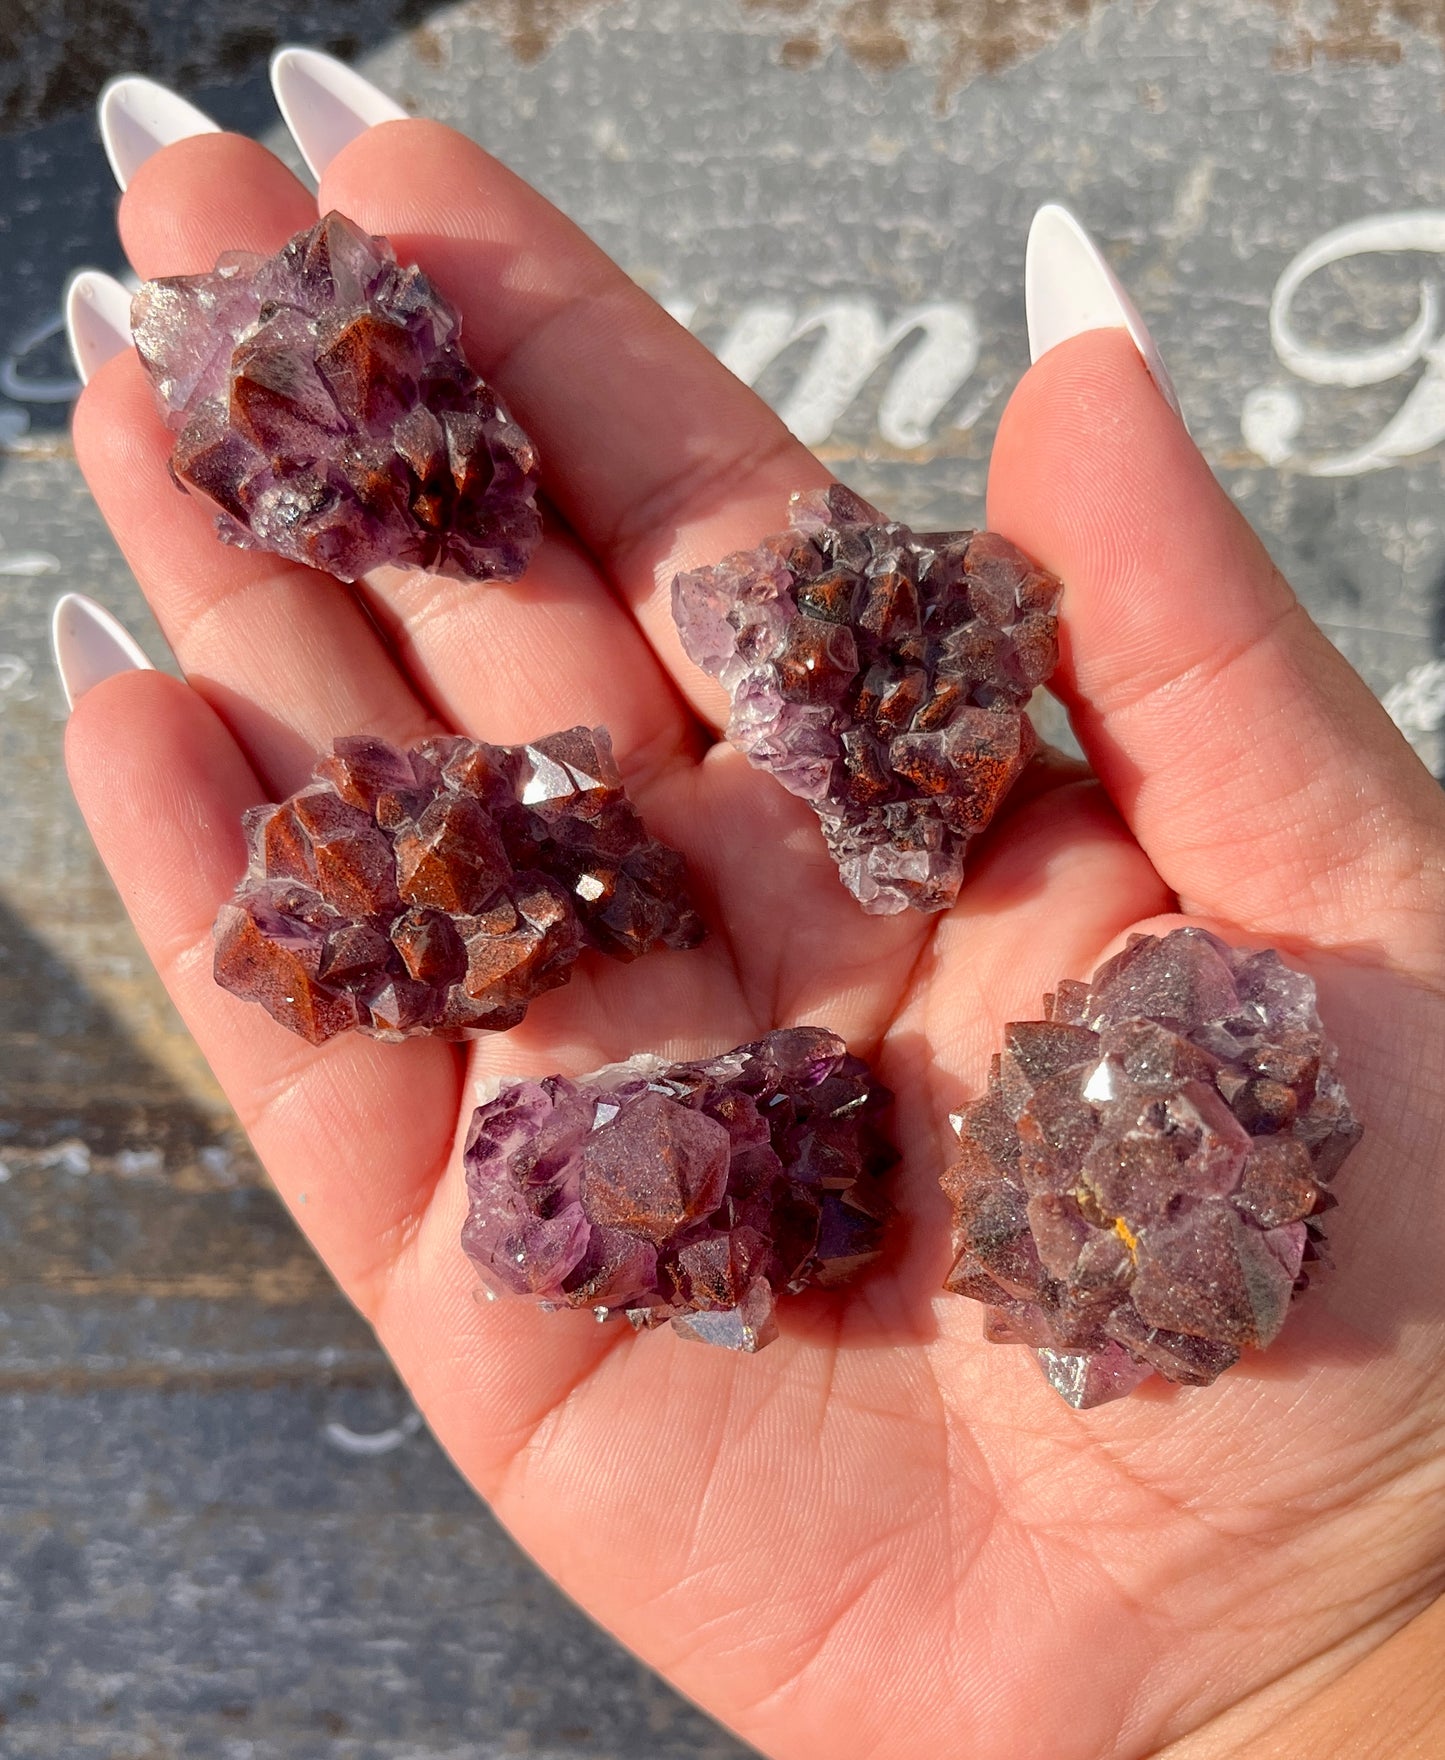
194,1558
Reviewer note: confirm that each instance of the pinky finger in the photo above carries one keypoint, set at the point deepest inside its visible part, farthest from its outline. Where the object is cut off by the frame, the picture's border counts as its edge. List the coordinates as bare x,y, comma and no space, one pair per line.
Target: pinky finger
361,1129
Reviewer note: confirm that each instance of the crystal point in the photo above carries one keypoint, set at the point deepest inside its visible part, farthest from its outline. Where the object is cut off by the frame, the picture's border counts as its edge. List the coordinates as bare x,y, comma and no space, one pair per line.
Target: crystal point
881,676
323,406
1140,1190
691,1192
423,892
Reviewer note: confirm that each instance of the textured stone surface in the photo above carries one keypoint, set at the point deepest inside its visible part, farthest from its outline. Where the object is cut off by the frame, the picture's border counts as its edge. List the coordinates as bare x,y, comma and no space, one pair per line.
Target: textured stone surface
1141,1187
439,891
880,674
324,407
690,1192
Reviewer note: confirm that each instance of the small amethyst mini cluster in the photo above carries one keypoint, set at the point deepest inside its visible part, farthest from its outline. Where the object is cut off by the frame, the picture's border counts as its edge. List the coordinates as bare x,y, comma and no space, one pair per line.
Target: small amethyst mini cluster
1141,1187
690,1192
325,409
439,891
881,676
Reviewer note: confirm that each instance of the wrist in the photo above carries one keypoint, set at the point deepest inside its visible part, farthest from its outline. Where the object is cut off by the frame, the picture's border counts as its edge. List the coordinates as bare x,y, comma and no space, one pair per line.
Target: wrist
1387,1704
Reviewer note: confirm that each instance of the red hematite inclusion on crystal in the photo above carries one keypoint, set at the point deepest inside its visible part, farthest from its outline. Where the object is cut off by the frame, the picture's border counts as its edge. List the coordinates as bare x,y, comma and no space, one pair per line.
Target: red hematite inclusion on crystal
1142,1186
439,891
881,676
690,1192
326,411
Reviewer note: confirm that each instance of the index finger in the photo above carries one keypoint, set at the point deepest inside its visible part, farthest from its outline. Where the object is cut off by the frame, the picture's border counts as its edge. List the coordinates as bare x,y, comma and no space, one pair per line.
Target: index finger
659,457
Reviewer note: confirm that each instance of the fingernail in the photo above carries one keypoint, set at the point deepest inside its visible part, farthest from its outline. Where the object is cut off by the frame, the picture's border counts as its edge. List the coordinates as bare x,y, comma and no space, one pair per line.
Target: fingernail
90,646
1069,288
326,104
138,118
97,320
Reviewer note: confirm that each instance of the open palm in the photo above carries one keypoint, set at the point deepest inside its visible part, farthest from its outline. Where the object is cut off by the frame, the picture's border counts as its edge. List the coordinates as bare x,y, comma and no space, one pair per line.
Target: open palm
882,1536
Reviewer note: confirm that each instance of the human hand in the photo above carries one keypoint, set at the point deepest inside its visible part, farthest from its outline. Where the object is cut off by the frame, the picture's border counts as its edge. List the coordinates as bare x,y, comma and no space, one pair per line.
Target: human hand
882,1534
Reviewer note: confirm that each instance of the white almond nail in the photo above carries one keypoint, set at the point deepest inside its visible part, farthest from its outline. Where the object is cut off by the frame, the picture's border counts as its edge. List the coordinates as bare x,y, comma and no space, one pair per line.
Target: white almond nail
326,104
97,320
139,117
90,646
1069,288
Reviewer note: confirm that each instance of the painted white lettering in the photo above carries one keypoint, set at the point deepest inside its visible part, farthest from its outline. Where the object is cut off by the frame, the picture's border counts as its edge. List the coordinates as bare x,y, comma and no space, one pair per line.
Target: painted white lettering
1273,415
852,343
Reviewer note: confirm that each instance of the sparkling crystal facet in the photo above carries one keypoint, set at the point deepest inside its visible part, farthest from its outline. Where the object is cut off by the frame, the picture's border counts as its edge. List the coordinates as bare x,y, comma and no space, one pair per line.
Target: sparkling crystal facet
881,676
690,1192
1141,1187
324,407
440,890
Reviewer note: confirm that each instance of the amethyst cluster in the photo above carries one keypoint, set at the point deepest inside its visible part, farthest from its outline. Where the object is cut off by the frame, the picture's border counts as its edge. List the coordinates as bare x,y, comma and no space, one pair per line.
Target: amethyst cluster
326,410
881,676
438,891
1142,1184
690,1192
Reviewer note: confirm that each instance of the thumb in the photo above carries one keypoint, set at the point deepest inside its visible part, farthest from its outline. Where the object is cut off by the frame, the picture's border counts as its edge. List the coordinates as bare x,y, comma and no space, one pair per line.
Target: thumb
1262,778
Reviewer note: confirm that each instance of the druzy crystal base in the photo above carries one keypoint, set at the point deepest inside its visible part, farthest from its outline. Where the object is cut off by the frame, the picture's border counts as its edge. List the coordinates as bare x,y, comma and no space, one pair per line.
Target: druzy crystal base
881,676
690,1192
1141,1188
324,408
439,891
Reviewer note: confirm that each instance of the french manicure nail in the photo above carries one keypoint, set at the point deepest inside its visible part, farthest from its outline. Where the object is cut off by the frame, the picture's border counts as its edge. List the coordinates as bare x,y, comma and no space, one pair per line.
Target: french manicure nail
90,645
1069,288
97,320
139,117
326,104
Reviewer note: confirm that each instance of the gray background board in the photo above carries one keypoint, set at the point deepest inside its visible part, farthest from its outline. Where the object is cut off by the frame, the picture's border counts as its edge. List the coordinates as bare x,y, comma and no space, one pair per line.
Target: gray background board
200,1551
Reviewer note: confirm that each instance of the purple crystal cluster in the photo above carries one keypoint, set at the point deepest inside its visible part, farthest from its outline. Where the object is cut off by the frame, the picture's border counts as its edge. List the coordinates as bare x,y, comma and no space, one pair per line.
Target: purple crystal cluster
881,676
1141,1187
439,891
690,1192
325,409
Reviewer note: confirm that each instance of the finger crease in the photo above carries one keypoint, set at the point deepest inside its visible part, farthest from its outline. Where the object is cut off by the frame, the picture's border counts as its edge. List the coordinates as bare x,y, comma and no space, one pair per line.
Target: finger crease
1208,669
697,486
